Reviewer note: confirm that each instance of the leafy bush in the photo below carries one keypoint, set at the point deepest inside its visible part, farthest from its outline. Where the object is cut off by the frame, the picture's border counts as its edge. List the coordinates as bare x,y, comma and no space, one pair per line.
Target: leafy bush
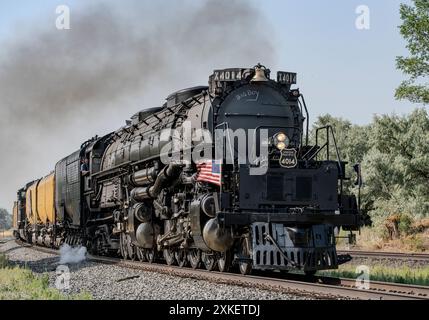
405,225
5,219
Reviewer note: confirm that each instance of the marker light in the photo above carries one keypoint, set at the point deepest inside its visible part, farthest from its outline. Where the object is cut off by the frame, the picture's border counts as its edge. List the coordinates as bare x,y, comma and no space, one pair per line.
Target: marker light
295,93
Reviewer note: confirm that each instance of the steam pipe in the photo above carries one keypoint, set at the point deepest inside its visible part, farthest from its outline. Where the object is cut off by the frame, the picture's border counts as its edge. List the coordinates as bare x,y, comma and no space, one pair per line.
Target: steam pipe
168,174
143,177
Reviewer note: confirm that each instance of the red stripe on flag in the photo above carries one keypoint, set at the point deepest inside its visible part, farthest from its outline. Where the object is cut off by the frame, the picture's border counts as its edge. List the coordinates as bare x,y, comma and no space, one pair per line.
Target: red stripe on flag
205,173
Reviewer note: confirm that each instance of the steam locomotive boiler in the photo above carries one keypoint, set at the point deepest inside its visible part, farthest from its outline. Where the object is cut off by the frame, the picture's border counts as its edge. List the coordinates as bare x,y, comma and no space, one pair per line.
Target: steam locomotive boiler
219,176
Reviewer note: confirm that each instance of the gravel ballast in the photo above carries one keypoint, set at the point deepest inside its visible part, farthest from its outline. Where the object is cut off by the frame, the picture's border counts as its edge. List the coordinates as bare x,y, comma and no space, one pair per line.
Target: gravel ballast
111,282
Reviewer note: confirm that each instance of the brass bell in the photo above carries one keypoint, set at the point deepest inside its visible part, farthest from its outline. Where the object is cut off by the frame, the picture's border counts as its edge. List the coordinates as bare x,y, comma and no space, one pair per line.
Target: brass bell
259,74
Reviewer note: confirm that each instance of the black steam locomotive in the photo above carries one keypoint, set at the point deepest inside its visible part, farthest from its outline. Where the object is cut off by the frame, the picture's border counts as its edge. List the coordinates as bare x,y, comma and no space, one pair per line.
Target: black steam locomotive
273,204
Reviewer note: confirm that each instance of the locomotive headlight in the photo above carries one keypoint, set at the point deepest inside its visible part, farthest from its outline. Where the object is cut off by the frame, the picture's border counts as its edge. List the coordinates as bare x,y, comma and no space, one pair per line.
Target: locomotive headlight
281,146
281,137
281,141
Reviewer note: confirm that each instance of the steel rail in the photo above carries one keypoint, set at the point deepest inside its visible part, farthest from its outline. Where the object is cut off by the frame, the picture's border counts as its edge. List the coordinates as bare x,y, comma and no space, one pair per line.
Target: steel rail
317,287
386,255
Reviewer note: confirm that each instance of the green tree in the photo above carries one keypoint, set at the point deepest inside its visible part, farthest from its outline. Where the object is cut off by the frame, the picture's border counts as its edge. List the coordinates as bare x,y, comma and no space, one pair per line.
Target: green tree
5,219
394,152
396,169
415,30
352,140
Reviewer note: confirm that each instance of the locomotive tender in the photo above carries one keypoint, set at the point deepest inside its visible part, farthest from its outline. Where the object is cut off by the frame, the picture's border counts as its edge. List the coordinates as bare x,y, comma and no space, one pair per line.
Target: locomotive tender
276,210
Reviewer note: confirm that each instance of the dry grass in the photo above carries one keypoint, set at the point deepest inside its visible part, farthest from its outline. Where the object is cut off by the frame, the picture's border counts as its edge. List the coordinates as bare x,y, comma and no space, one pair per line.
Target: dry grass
372,239
421,225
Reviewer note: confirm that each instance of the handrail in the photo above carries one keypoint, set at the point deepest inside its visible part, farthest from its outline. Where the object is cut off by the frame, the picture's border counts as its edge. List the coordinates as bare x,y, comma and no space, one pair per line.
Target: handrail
307,118
328,129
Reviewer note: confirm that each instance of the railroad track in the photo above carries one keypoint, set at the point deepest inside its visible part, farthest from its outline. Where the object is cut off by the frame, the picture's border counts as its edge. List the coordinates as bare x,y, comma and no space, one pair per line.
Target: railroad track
386,255
318,287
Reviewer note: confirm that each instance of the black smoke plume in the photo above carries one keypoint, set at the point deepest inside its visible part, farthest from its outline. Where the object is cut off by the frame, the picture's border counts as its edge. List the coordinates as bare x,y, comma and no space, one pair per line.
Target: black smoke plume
58,88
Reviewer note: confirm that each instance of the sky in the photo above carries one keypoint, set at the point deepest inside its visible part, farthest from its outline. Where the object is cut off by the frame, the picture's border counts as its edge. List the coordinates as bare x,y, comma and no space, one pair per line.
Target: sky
342,71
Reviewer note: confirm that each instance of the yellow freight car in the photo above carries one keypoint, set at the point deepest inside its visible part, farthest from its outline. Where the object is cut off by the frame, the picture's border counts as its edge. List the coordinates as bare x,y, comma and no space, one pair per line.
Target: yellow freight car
46,199
31,203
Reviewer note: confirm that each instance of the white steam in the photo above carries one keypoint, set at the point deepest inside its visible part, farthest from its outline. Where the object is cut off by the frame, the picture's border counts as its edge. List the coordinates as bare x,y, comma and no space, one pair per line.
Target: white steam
72,254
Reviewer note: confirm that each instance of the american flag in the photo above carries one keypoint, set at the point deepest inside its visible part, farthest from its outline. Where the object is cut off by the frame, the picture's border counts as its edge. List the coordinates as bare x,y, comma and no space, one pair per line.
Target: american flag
210,171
